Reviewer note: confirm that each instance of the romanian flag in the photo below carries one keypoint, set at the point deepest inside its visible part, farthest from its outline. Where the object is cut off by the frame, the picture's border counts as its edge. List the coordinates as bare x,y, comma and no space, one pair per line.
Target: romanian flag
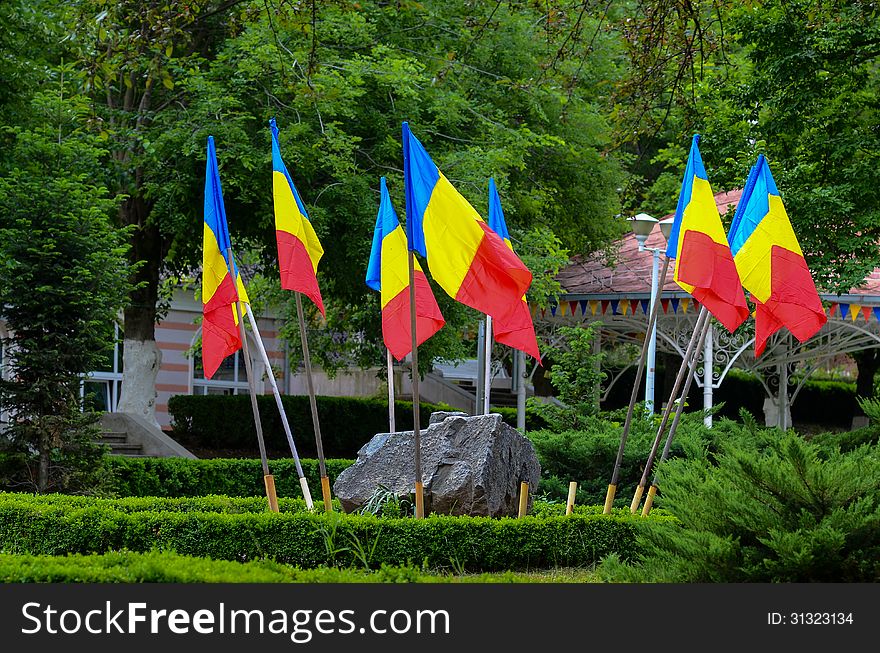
704,266
771,263
469,260
298,247
220,334
388,272
518,331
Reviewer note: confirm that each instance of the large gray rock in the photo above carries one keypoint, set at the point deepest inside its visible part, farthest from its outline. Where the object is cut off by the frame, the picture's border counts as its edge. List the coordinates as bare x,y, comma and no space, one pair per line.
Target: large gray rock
470,466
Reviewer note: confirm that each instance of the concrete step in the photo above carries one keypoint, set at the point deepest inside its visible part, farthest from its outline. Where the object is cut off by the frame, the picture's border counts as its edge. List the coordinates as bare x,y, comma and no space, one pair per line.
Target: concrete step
126,449
113,437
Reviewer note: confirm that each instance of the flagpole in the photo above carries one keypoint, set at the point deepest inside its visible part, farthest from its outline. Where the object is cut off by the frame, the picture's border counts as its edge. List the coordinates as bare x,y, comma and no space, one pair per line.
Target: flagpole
325,482
640,367
685,362
652,491
307,495
391,428
268,479
521,391
487,359
417,435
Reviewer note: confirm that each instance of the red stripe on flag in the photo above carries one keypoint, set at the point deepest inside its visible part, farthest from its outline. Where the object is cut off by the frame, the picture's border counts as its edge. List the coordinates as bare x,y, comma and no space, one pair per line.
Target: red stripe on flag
793,297
708,267
515,329
396,318
496,278
297,272
220,335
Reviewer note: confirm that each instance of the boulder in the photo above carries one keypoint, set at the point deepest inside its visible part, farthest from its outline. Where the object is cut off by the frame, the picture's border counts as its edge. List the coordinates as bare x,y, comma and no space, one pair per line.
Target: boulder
470,466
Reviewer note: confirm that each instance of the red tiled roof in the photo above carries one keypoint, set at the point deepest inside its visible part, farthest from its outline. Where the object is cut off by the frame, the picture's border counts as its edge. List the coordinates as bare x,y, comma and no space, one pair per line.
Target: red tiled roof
629,273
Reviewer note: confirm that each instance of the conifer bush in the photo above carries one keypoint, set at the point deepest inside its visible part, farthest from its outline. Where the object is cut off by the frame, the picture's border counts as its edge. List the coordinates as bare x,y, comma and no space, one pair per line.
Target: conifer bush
773,509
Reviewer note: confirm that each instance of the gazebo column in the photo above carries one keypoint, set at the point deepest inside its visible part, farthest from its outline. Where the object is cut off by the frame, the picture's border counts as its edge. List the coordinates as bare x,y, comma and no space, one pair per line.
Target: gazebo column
777,409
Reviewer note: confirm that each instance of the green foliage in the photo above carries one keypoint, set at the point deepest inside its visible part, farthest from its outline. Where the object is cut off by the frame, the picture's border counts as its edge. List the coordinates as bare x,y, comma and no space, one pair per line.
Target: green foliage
386,503
238,477
576,375
225,422
30,526
64,281
782,510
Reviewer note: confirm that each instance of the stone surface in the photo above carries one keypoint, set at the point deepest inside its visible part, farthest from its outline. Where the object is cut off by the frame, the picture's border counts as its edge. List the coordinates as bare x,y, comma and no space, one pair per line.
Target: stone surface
470,466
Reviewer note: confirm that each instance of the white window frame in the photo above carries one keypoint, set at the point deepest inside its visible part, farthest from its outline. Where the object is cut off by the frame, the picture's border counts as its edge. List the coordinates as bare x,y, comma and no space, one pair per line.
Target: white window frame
112,379
239,383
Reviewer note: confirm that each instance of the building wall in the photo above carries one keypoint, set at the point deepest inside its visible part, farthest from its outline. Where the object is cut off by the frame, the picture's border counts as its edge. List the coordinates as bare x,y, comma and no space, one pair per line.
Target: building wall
177,334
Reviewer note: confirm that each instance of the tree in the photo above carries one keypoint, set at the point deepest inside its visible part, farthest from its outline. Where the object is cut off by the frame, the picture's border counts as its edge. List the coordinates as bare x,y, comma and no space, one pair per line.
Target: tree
795,80
64,275
485,95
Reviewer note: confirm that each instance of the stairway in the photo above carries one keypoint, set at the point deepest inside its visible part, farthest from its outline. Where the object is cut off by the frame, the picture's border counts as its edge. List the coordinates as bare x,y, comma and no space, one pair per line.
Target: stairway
119,444
499,397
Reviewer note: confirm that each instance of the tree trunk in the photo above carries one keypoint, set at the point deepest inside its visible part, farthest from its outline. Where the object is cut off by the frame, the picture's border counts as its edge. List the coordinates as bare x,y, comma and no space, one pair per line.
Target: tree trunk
43,469
141,356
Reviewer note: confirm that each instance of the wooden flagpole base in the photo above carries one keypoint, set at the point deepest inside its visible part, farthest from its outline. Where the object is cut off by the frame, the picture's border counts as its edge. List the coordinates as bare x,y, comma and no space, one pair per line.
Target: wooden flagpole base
572,491
609,499
637,499
523,499
649,500
325,492
307,495
269,480
420,500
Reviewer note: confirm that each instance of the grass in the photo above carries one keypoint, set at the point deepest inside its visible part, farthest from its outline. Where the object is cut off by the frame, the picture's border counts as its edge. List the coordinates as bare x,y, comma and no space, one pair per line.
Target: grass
168,567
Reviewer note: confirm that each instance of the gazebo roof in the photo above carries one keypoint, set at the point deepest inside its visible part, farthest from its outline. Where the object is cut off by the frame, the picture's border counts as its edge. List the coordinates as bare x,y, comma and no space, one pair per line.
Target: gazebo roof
627,272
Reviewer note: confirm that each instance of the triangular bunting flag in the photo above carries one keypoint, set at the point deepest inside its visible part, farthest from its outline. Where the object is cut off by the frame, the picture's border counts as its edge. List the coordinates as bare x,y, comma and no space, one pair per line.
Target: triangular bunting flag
604,306
634,306
594,306
553,310
674,303
665,304
844,310
572,307
584,304
614,307
684,304
646,306
877,313
562,309
854,310
866,311
543,312
831,309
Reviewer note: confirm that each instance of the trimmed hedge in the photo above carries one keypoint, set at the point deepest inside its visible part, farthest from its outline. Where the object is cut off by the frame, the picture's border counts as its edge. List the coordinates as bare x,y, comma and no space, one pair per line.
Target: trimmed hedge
236,477
167,567
200,504
226,422
347,423
31,526
826,403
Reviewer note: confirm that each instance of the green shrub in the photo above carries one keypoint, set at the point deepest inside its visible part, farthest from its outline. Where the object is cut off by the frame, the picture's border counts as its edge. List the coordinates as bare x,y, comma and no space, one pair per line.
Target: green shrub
29,526
225,422
237,477
347,423
779,510
200,504
587,456
828,403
